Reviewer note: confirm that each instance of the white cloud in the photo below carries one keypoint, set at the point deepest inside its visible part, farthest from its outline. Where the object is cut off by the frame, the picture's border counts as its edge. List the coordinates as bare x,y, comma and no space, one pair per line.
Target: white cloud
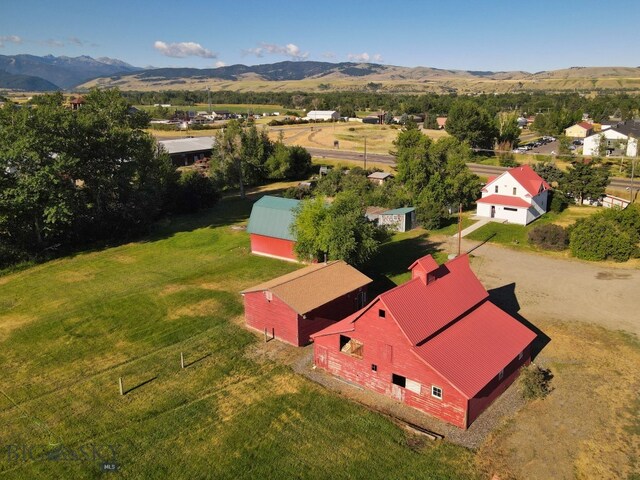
364,57
329,55
220,64
52,42
289,50
9,39
183,49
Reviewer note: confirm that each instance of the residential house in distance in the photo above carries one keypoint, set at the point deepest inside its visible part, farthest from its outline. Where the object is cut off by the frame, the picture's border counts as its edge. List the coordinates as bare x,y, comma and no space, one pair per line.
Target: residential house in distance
325,115
579,130
270,227
611,201
222,114
519,195
378,178
296,305
185,151
442,122
400,219
621,139
436,343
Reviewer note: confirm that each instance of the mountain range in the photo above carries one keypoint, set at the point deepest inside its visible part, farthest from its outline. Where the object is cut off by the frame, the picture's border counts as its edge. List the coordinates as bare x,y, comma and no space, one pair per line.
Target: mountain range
32,73
29,71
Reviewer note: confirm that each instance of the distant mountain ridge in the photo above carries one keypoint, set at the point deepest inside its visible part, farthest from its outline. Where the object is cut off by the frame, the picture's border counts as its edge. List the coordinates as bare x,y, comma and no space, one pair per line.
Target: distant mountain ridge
84,72
63,72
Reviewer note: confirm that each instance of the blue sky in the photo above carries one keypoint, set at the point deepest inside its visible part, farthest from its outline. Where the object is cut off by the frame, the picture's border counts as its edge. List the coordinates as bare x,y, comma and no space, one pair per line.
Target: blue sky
471,35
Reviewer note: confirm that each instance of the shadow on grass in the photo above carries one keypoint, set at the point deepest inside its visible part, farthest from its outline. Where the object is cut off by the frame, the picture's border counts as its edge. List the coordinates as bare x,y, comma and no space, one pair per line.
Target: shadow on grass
394,258
140,385
505,298
197,360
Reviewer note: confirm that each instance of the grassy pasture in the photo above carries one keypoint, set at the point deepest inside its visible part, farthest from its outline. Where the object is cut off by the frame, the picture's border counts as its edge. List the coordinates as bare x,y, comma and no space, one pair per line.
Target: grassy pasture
69,328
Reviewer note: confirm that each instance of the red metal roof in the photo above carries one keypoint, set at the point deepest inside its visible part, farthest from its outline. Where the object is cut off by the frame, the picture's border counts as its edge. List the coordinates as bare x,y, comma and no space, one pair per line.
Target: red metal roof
427,263
421,310
472,351
505,200
586,125
530,180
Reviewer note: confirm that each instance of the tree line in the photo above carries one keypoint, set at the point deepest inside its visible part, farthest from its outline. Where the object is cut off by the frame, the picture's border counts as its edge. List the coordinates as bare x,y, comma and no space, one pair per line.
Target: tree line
70,178
600,107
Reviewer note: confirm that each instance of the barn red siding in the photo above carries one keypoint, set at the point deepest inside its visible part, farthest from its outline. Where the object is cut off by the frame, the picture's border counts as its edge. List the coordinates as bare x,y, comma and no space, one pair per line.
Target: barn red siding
495,388
275,315
275,247
385,346
289,326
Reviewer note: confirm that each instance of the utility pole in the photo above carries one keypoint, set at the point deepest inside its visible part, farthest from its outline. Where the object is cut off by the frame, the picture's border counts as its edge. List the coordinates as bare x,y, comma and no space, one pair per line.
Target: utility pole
633,168
209,98
365,152
459,230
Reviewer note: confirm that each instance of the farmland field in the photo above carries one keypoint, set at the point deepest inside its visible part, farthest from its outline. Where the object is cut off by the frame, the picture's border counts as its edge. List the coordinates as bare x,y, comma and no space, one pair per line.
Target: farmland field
69,328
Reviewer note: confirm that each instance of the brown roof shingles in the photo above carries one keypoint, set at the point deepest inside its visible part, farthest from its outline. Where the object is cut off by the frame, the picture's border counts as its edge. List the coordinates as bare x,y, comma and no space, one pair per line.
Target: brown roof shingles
313,286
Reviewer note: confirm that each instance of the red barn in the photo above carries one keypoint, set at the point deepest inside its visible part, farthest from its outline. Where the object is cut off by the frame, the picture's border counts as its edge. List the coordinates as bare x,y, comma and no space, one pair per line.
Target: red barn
270,227
294,306
435,343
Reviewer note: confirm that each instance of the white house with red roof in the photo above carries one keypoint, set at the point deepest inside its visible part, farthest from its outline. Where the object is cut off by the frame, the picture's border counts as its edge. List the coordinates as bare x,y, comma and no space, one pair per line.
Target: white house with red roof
519,195
435,343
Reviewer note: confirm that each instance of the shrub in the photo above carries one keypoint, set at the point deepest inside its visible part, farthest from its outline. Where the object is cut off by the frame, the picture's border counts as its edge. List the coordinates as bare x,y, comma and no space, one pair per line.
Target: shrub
558,202
507,160
600,239
191,192
534,382
549,237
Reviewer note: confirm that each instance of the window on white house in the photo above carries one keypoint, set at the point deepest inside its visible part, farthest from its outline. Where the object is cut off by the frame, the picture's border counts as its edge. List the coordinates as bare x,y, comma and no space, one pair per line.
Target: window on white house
511,209
501,375
351,346
496,189
514,190
436,392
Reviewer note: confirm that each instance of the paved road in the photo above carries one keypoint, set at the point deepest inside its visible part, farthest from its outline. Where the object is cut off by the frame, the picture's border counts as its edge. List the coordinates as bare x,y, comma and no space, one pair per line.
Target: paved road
478,169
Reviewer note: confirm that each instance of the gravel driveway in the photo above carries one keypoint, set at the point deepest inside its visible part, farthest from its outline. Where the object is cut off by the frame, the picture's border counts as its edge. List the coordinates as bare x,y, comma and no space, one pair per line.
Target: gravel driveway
552,288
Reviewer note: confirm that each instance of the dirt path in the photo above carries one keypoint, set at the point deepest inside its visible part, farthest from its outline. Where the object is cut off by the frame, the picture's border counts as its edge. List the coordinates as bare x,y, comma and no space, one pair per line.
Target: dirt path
551,288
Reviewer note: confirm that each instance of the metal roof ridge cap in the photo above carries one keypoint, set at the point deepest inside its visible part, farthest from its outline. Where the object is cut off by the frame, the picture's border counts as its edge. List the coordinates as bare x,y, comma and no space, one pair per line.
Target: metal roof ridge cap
321,266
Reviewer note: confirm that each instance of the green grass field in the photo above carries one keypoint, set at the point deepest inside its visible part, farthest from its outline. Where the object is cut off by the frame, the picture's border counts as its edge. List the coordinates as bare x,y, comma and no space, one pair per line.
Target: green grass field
517,235
69,328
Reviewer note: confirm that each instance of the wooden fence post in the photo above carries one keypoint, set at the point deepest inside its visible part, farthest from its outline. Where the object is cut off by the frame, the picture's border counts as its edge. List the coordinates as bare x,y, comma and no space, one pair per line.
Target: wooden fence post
265,334
120,384
181,360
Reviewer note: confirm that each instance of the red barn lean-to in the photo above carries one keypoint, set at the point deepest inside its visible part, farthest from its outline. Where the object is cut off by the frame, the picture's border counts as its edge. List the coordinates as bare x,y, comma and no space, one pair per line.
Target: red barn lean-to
300,303
436,343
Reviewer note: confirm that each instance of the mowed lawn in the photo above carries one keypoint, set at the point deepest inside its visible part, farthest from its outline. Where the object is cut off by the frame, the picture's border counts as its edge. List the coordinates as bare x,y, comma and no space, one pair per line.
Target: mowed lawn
69,328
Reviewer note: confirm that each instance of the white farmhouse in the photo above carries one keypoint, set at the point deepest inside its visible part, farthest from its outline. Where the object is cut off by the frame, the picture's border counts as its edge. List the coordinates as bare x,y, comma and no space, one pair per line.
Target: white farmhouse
322,115
619,141
519,195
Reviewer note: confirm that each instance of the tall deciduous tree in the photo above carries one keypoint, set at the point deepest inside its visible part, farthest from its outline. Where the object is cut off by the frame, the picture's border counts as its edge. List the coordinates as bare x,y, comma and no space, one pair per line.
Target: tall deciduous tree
585,180
340,230
473,124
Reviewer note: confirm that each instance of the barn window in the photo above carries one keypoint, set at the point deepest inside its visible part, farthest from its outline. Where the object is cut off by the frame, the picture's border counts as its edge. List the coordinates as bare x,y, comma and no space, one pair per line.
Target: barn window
496,189
268,295
398,380
351,346
382,313
374,367
413,386
501,375
436,392
514,190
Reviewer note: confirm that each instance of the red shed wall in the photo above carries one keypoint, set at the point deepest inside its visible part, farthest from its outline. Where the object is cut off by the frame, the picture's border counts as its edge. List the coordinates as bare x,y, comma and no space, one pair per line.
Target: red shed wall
381,336
274,247
327,314
495,388
276,316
